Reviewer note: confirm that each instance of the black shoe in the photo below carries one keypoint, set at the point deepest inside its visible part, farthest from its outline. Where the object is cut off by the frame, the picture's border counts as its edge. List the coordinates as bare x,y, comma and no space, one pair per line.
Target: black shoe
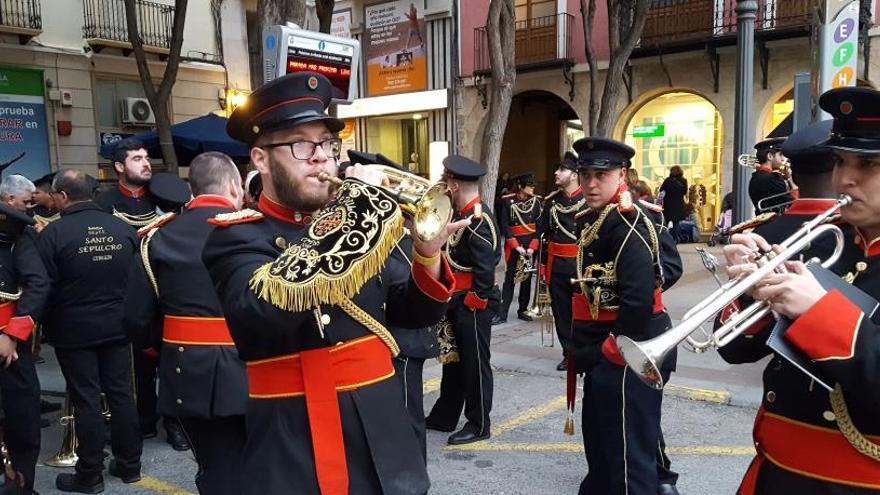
523,316
438,427
498,320
464,436
125,476
667,489
563,365
47,407
176,438
70,482
148,433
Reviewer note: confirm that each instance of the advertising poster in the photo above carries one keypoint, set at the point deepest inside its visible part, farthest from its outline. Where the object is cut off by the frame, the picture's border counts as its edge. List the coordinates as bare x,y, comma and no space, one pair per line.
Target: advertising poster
23,130
347,136
395,48
340,25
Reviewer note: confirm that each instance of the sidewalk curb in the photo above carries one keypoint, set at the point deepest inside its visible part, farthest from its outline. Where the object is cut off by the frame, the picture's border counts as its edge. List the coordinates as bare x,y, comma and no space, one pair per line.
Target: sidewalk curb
698,394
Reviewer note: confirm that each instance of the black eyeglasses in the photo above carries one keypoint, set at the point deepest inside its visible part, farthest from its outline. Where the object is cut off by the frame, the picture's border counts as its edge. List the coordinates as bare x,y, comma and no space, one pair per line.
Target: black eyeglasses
305,150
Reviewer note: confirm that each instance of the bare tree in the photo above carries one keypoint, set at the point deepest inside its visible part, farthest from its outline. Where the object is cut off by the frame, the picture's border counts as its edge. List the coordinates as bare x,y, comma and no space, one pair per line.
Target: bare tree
273,12
626,19
325,13
158,96
501,33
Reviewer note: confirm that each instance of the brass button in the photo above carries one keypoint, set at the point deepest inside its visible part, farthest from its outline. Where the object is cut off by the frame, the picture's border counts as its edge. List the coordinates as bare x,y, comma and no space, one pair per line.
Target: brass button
325,319
829,416
383,306
180,349
178,370
179,401
281,243
771,396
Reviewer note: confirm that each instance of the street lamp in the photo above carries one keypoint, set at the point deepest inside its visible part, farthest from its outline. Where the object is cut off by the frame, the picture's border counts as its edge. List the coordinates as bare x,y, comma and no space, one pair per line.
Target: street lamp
743,133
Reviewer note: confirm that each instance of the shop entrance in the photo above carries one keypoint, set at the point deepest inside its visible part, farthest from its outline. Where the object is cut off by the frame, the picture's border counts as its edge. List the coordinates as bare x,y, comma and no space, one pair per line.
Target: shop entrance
402,138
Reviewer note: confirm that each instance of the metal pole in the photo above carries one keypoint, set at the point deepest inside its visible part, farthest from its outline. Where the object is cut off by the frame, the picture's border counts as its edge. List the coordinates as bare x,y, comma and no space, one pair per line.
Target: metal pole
743,134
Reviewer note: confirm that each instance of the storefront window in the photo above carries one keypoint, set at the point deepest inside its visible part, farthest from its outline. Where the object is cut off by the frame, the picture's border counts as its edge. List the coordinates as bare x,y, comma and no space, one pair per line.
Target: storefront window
402,138
782,108
574,130
681,129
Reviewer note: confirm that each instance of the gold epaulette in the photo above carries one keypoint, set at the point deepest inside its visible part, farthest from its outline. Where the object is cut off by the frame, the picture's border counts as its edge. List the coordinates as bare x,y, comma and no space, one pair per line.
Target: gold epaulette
136,221
625,202
751,224
651,206
246,215
155,224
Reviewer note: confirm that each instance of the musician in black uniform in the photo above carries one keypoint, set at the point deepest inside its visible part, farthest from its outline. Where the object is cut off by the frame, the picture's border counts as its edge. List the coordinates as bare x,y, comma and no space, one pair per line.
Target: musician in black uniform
473,253
202,381
517,219
621,258
768,180
557,228
810,440
87,254
23,293
307,288
169,192
43,209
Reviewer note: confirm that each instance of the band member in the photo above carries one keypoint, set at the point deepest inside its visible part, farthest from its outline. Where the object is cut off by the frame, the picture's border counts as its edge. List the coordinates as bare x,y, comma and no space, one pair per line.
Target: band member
43,209
130,200
170,192
768,184
307,290
87,254
621,257
23,294
517,219
473,253
557,227
799,417
201,380
17,192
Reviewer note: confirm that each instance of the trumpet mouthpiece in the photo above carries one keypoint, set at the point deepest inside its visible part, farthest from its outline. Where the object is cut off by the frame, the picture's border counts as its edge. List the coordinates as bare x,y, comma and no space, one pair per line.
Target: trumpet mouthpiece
324,176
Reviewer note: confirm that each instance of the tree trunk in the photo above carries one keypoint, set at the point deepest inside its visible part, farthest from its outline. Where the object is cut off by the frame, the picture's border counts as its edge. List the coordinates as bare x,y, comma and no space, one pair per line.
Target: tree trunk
588,13
325,13
500,28
158,97
274,12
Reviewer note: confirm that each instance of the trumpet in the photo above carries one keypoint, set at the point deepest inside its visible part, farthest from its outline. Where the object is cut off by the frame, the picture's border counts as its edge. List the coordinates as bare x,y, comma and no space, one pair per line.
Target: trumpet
430,206
751,161
646,357
541,307
524,268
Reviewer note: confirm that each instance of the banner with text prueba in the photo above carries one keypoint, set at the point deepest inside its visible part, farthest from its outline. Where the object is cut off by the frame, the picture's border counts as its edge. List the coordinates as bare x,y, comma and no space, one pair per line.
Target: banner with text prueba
23,122
395,48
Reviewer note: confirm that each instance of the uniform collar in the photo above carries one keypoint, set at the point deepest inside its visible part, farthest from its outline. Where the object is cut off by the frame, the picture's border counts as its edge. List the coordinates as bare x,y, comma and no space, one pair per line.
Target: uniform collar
278,211
128,193
577,192
809,206
764,168
208,201
870,248
470,206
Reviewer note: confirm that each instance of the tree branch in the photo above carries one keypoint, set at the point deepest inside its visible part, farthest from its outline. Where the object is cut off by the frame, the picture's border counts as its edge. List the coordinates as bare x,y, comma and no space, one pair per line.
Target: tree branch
137,45
588,15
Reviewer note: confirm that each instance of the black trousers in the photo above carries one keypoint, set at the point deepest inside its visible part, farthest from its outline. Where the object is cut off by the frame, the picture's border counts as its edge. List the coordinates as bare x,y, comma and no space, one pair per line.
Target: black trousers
621,423
468,382
561,291
525,288
409,371
218,444
20,389
88,372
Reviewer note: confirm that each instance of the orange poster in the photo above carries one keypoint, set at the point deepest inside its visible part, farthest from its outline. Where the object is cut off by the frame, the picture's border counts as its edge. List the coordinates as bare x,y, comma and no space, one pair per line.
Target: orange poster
395,48
347,135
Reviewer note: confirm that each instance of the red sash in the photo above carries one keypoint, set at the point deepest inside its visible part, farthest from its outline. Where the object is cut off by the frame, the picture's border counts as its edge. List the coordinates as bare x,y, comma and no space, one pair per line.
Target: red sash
195,330
557,250
580,309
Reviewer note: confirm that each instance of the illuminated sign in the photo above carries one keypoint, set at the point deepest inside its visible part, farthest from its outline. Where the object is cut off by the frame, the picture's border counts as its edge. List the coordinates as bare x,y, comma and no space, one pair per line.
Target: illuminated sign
649,131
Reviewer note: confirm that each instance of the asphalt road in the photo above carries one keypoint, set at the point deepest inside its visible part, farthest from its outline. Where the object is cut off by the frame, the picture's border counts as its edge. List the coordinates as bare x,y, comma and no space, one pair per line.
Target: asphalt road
707,417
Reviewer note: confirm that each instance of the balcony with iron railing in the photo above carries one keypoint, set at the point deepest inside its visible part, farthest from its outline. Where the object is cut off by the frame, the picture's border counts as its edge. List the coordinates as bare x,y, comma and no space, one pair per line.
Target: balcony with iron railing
105,25
541,42
21,17
675,25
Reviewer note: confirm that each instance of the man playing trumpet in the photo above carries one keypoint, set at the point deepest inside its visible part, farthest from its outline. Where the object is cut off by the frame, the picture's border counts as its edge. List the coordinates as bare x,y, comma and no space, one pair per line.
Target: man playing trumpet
517,218
769,184
808,440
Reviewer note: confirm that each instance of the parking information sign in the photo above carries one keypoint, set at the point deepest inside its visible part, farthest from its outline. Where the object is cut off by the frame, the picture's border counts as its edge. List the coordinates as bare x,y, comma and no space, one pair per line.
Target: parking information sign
836,63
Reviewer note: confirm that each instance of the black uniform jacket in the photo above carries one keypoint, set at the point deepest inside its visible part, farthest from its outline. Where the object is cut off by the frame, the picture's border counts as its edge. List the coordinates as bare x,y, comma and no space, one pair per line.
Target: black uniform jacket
87,254
418,343
621,248
844,344
41,213
23,282
382,456
558,225
134,208
670,266
196,379
474,252
518,220
765,183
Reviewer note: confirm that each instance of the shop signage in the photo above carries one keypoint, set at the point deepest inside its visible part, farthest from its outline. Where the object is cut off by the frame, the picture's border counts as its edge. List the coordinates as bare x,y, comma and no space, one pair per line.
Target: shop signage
347,135
23,122
835,62
340,25
395,48
649,131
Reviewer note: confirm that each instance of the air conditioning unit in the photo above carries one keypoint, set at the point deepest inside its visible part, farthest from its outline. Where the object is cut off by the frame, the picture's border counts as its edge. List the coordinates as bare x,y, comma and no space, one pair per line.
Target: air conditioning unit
137,112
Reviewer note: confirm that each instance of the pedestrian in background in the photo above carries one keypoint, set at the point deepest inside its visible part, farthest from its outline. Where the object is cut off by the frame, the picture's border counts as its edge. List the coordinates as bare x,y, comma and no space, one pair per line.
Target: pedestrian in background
674,189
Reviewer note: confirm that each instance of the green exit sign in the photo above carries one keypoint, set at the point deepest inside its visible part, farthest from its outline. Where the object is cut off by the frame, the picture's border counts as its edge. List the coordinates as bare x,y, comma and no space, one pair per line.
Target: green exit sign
648,131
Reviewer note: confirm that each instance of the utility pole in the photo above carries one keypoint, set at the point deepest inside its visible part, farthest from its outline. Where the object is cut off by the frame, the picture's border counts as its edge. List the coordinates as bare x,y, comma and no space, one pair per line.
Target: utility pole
743,133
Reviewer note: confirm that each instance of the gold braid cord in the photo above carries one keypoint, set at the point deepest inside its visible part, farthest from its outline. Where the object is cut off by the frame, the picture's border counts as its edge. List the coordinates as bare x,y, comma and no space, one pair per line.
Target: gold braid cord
555,210
145,258
9,296
136,221
373,325
849,430
518,212
346,245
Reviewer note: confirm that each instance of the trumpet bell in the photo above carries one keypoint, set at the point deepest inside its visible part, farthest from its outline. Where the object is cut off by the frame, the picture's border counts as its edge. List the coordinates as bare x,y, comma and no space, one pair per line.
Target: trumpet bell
432,212
643,359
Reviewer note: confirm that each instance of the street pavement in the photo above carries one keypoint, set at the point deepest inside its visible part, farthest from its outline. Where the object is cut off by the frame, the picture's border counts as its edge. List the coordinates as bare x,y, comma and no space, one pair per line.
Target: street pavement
707,418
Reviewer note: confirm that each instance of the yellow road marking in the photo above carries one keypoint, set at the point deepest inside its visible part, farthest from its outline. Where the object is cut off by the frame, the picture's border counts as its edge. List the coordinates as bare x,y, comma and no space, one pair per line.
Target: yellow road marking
529,415
703,450
430,385
159,486
701,394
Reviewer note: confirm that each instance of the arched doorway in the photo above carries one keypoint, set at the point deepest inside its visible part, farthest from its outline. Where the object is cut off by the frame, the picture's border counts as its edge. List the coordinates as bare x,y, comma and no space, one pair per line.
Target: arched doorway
680,128
540,127
779,110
